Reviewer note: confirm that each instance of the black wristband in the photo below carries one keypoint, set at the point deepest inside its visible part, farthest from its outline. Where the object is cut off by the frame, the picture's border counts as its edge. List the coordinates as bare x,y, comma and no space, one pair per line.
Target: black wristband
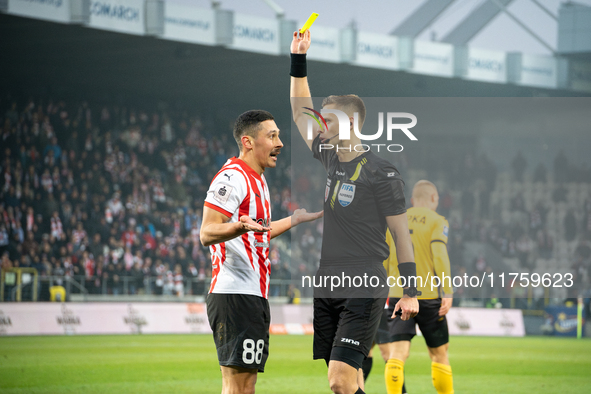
408,271
299,68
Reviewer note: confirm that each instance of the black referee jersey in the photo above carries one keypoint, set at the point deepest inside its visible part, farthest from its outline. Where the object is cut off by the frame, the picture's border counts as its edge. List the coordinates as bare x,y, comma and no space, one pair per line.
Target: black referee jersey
359,195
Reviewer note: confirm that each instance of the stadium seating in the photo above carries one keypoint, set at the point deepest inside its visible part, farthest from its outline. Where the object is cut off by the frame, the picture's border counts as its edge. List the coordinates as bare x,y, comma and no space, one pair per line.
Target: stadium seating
109,196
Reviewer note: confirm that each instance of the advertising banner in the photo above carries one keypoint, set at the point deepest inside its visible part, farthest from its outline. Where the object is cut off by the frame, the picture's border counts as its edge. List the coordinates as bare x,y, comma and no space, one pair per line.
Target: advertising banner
538,71
377,50
433,58
580,75
126,16
103,318
486,322
191,318
485,65
189,24
562,320
255,34
51,10
326,44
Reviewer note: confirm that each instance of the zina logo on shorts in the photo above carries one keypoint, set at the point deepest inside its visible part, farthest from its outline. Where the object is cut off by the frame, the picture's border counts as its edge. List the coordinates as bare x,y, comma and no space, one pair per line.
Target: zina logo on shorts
345,130
351,341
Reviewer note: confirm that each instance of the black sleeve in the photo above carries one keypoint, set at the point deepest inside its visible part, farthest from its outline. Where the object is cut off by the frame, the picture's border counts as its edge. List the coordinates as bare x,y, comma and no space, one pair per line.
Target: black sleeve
389,191
324,156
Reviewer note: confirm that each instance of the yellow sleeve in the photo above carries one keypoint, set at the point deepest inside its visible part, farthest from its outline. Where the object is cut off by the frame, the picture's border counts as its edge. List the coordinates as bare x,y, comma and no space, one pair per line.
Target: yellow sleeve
441,263
440,231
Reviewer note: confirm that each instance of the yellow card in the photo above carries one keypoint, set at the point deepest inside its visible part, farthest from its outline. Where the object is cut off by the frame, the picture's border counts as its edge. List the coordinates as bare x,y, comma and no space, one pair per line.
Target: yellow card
309,22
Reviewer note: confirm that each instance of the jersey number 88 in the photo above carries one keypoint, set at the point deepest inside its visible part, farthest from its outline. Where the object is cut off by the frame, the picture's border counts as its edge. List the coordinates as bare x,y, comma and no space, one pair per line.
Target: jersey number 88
249,355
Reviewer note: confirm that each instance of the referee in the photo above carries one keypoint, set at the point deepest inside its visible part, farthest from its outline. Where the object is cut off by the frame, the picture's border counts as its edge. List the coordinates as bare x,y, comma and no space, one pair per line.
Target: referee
428,231
364,196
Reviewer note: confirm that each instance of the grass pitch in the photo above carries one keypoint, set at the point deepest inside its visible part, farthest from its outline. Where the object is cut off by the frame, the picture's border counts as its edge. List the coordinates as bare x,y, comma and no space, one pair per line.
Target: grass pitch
188,364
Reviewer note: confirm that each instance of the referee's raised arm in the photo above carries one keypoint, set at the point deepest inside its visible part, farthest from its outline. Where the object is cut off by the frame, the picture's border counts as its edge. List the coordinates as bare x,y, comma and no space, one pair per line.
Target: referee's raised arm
299,88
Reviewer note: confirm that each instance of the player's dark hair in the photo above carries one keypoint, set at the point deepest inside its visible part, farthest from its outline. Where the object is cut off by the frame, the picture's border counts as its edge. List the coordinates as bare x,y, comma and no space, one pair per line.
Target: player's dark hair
249,123
347,101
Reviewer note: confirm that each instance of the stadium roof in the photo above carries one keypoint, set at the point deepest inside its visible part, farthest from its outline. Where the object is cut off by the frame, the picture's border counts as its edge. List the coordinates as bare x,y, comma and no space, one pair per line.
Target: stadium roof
72,60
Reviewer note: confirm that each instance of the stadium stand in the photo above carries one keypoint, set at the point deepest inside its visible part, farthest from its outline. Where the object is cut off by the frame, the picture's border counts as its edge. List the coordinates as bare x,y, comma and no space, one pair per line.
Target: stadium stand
111,196
510,221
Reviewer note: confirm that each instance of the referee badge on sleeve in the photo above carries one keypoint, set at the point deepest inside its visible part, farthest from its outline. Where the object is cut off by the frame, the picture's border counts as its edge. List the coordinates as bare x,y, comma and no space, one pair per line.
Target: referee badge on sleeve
222,193
445,230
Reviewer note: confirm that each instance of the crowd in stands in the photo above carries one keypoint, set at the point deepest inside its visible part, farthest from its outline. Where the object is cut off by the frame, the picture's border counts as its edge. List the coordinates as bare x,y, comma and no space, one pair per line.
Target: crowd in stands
525,216
112,195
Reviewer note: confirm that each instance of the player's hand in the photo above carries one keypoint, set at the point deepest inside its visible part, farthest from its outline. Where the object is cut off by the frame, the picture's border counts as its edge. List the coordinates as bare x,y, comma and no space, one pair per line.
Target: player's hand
300,42
302,216
246,223
408,306
445,305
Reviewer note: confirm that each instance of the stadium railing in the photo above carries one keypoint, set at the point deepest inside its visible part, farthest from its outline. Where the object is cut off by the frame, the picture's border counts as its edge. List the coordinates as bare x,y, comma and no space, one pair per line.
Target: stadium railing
84,288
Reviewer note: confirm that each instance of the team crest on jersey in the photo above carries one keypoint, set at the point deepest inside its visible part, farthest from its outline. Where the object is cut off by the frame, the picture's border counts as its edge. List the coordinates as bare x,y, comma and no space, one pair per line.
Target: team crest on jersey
222,193
346,194
327,191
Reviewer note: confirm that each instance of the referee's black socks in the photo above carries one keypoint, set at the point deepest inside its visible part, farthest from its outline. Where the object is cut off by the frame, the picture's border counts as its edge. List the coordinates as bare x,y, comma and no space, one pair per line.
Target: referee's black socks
359,391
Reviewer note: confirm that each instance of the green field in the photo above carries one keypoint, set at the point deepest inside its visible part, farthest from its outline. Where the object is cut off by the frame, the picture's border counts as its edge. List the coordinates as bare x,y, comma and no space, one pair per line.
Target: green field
188,364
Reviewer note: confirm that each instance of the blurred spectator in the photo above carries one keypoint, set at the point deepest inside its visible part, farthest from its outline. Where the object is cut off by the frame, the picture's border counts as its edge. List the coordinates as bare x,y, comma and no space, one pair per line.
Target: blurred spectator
524,248
559,194
570,226
545,243
519,164
561,167
540,173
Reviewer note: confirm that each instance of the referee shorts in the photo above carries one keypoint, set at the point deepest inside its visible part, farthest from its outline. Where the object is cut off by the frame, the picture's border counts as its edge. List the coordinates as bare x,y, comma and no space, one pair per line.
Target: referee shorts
383,335
344,328
433,327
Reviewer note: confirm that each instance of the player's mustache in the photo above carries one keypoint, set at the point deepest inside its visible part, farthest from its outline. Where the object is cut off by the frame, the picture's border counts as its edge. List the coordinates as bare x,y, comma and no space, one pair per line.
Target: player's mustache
276,152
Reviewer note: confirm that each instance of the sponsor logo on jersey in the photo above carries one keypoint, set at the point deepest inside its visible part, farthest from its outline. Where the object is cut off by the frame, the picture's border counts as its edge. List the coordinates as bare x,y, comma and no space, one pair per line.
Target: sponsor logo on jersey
222,193
346,194
391,174
351,341
258,244
229,176
341,173
262,222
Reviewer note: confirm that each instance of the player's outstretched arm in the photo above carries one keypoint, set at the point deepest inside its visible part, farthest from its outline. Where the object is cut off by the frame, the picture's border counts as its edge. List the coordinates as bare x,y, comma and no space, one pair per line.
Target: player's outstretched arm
215,227
299,90
398,226
299,216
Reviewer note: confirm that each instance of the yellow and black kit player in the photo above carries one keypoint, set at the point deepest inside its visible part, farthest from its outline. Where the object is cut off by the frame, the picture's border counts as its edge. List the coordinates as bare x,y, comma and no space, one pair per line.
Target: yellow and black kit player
429,232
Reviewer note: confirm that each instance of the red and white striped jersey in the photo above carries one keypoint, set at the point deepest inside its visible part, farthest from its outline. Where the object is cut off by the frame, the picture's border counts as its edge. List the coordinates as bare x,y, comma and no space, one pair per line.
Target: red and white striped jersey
241,265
